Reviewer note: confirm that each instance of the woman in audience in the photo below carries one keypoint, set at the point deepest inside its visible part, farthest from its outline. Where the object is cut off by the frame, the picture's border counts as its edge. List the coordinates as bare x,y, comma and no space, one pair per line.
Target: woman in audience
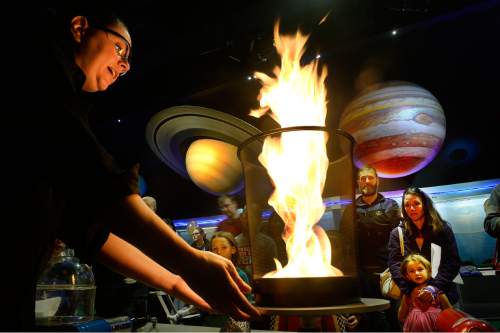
423,229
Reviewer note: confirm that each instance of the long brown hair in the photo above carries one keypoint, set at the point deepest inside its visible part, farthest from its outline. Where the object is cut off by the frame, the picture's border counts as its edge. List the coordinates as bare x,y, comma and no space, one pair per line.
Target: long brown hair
432,217
230,238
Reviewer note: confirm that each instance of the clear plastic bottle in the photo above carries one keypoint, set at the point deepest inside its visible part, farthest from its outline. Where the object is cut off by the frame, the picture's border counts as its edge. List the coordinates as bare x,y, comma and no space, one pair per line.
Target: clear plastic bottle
65,292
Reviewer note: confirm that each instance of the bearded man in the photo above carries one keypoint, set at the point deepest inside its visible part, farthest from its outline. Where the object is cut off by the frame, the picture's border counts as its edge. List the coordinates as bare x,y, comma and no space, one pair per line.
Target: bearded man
376,216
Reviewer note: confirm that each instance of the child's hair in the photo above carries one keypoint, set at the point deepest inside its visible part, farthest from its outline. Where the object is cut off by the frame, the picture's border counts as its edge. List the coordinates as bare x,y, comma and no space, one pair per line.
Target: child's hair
230,238
415,258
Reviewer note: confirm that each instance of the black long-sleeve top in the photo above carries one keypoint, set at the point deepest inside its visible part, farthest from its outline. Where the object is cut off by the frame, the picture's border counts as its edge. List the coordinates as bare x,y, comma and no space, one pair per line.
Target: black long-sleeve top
60,179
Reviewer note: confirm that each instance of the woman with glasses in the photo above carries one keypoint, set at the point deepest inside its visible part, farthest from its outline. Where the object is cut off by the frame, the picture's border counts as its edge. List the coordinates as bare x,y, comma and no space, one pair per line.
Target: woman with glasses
74,190
200,240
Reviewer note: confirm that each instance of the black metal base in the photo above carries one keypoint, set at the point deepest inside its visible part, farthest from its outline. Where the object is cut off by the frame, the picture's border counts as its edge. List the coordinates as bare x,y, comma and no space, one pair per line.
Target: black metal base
307,291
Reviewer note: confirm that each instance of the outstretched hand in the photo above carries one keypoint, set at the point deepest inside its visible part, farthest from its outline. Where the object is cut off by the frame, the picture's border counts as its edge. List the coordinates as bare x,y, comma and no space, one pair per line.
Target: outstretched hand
182,291
217,281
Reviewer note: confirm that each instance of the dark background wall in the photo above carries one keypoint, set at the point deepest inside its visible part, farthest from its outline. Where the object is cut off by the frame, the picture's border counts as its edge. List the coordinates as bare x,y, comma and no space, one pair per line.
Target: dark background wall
202,53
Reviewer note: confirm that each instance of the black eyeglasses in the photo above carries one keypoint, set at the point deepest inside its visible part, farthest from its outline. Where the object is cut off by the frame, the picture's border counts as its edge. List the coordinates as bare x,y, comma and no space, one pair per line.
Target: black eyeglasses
123,53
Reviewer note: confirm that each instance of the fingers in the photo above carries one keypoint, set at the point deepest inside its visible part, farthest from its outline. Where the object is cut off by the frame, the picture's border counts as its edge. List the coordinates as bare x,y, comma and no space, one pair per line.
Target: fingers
242,285
223,288
352,322
239,299
424,296
182,291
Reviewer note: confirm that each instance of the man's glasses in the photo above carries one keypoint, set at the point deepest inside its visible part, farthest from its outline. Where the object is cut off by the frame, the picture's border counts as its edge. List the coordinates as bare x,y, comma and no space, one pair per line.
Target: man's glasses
123,53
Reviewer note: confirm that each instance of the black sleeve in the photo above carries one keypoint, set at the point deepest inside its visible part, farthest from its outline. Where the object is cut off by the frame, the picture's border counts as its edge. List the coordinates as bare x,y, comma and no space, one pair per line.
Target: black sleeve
84,236
492,211
92,182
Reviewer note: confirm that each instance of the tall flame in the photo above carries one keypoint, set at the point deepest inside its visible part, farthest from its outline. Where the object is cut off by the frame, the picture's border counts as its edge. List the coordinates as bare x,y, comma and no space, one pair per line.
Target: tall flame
297,161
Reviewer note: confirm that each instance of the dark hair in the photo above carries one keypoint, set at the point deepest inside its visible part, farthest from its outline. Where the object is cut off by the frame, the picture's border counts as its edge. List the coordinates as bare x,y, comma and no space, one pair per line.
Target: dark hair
432,217
368,168
98,15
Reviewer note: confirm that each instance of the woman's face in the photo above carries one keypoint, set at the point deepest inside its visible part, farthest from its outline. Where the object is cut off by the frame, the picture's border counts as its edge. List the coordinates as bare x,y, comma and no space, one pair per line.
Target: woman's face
416,272
102,55
414,207
223,247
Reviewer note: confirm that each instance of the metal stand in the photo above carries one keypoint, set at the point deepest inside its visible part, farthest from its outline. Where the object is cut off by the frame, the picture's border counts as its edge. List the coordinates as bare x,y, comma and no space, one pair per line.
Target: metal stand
310,316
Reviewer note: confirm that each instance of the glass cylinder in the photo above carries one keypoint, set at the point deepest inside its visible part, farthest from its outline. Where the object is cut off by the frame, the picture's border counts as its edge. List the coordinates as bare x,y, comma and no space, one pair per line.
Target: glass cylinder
337,223
65,292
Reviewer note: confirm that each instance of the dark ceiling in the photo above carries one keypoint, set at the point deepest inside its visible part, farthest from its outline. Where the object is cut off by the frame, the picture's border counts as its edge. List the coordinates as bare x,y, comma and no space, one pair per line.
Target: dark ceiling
200,53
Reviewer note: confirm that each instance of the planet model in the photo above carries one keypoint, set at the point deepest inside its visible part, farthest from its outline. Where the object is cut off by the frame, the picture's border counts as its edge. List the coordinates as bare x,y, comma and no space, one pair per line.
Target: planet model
399,128
214,166
200,144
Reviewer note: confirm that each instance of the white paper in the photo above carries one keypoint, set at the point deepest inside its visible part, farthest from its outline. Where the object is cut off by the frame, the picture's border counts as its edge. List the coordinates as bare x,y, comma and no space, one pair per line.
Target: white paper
436,261
435,258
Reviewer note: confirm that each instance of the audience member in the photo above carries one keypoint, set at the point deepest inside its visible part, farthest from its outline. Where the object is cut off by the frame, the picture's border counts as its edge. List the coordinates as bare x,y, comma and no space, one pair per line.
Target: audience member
229,206
200,240
224,244
274,228
375,217
264,249
492,222
424,232
416,316
151,203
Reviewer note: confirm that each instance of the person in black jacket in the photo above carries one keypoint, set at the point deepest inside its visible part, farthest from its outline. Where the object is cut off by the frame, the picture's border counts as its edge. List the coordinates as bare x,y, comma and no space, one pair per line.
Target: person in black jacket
492,221
74,190
375,218
423,226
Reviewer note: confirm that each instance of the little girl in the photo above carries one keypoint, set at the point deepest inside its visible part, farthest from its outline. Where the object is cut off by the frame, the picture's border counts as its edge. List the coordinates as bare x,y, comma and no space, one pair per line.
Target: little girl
418,317
223,244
